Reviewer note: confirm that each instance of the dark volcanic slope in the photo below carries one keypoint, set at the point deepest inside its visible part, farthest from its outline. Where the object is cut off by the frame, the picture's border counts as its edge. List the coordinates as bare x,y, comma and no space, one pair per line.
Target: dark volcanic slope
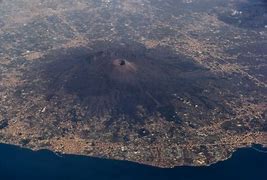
121,79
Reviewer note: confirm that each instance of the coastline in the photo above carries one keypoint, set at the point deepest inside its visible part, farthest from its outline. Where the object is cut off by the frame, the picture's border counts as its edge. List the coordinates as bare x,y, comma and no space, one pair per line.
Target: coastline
20,163
258,148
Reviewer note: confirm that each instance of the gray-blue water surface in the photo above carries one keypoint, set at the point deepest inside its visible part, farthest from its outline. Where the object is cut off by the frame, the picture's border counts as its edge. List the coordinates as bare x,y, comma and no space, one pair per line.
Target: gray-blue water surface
18,163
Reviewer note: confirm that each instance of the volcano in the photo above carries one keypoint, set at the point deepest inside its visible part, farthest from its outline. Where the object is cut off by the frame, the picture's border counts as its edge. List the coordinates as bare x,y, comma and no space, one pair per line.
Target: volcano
120,79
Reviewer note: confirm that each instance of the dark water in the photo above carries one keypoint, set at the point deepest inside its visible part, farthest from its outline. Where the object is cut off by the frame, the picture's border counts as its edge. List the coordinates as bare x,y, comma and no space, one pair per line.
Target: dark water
18,163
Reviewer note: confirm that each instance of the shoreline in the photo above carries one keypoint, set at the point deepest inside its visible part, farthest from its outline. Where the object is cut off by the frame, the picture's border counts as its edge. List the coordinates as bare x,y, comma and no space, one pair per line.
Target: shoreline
64,154
21,163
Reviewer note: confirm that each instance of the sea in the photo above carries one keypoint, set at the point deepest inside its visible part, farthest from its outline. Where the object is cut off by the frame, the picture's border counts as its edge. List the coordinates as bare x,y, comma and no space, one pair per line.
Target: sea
20,163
